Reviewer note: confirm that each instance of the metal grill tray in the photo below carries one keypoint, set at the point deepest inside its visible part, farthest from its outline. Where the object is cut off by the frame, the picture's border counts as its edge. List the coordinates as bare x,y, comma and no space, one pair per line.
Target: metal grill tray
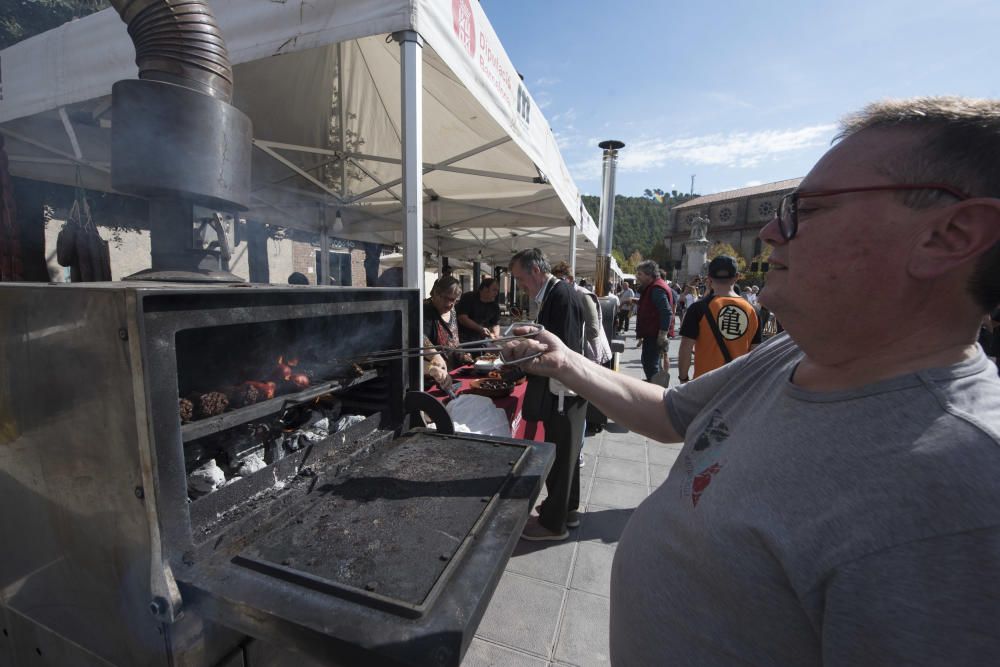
427,520
388,536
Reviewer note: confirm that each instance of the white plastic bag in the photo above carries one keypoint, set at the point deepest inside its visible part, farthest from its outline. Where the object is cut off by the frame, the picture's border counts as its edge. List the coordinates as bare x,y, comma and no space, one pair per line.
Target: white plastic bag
477,414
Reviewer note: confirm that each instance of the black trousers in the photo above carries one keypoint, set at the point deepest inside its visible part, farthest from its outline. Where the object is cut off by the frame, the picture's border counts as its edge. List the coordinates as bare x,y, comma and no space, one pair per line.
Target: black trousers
565,431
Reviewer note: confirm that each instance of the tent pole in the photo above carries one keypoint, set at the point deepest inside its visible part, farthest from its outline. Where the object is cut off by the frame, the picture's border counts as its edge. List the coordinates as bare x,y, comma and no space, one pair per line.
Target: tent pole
342,117
323,270
572,249
411,77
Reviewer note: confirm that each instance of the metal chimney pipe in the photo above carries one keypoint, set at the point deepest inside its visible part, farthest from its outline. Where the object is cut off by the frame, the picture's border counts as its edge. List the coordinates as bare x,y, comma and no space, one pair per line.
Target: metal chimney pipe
174,134
179,42
606,218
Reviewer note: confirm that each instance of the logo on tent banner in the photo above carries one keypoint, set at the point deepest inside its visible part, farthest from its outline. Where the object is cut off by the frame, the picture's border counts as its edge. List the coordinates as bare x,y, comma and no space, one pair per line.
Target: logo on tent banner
523,104
465,24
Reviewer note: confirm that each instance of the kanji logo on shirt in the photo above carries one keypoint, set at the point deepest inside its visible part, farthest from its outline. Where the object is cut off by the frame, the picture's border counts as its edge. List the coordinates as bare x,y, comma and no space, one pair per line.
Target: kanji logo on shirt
733,322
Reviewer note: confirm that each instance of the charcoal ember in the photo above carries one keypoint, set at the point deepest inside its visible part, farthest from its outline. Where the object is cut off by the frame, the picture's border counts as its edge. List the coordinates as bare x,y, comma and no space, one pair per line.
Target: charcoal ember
357,371
186,410
267,389
209,404
244,394
300,380
283,372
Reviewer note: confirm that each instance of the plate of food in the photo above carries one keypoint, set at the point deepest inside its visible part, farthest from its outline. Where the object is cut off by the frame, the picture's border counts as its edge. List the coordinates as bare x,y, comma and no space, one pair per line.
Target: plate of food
487,363
491,387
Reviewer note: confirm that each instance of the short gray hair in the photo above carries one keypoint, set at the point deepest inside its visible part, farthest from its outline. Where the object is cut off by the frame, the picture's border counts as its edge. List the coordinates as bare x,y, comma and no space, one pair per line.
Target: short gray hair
958,141
530,258
649,267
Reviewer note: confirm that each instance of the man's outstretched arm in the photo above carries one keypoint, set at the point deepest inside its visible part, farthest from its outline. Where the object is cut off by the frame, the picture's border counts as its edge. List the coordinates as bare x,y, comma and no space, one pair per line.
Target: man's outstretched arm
638,406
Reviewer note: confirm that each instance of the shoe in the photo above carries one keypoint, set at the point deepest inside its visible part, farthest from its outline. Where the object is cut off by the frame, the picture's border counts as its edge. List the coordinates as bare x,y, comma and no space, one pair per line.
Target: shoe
582,463
536,532
572,517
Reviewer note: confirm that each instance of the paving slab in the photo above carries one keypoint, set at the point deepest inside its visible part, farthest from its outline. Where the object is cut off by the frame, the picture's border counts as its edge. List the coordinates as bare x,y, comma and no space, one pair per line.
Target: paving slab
546,561
623,450
592,569
627,437
660,455
608,493
523,614
657,475
586,484
583,634
621,470
482,653
603,524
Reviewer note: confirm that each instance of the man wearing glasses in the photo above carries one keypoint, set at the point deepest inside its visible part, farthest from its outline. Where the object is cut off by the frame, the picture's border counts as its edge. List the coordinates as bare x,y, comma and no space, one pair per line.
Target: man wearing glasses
849,513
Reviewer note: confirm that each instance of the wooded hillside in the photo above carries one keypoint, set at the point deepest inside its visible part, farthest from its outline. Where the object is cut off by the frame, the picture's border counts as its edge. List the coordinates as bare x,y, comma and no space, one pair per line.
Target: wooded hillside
640,222
21,19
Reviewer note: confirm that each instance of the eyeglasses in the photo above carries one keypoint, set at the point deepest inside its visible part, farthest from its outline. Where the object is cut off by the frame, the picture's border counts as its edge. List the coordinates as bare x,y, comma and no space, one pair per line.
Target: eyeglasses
788,208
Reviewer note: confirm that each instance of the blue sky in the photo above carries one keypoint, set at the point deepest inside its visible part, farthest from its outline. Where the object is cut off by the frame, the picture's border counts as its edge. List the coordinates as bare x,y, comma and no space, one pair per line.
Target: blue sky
737,93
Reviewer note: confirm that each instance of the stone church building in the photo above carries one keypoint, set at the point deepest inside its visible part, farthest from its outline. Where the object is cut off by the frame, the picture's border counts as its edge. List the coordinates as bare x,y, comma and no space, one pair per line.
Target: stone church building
735,217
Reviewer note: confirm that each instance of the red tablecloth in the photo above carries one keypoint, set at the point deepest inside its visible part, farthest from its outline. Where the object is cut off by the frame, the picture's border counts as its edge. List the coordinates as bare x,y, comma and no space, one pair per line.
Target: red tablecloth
520,428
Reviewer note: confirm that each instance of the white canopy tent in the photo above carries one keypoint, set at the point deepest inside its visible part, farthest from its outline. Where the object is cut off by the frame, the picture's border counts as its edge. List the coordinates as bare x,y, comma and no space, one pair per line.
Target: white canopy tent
429,141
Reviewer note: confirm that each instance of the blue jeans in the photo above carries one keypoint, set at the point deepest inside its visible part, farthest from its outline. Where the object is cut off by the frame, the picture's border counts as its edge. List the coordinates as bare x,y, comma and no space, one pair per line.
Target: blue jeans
651,357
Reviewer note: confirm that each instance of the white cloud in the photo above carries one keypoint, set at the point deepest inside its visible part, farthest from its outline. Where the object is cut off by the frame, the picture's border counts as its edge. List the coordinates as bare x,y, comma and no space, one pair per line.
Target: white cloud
545,81
726,99
735,149
567,117
753,183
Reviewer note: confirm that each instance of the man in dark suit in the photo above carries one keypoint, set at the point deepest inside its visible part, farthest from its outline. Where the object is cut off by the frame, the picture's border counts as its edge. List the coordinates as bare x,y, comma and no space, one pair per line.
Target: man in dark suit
561,313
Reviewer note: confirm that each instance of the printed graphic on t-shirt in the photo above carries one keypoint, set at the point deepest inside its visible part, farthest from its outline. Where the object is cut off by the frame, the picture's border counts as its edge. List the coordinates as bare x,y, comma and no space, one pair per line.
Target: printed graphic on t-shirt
705,462
733,322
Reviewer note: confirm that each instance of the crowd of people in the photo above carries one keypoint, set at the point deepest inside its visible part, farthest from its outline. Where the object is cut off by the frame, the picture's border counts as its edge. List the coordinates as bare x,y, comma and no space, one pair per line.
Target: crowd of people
726,319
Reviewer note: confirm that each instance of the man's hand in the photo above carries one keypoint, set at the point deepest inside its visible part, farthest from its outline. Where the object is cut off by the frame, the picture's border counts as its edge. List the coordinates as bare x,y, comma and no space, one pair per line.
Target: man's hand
663,339
554,357
488,333
638,342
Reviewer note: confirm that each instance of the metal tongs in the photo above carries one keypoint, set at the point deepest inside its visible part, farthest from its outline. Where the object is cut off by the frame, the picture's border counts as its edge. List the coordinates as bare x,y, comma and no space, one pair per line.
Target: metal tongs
471,346
506,337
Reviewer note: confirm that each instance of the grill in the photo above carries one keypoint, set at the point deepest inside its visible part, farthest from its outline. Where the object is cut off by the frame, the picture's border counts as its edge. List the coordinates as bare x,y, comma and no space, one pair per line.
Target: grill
202,477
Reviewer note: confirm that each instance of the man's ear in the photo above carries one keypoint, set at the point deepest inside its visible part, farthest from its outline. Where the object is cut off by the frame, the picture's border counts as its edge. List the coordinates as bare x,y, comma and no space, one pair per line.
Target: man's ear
963,234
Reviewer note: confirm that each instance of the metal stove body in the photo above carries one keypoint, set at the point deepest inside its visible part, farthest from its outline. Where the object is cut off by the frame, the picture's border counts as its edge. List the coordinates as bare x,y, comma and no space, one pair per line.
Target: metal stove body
364,543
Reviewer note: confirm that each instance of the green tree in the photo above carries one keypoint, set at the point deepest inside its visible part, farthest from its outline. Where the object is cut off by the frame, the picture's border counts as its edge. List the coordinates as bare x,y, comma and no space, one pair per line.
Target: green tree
758,277
661,255
726,249
640,222
20,19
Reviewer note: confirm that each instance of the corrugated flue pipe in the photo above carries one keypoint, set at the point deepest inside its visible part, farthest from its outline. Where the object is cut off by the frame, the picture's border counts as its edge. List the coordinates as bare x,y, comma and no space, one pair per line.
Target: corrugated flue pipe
178,42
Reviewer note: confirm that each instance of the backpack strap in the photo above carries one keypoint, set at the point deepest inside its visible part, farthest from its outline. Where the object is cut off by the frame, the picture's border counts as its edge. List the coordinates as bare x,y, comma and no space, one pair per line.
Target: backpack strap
715,331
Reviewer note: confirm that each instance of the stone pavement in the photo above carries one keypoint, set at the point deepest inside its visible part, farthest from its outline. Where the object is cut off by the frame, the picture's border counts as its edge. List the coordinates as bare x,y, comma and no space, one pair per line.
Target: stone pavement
551,605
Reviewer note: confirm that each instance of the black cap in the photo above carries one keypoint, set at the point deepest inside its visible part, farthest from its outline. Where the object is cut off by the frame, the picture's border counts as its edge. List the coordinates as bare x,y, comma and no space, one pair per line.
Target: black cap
722,267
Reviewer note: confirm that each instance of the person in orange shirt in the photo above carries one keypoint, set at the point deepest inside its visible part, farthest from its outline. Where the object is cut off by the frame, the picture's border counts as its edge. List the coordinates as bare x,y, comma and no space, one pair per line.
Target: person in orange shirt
720,327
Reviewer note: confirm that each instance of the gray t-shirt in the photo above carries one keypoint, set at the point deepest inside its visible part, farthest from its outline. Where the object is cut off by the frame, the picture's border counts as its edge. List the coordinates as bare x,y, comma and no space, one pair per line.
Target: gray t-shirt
800,528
